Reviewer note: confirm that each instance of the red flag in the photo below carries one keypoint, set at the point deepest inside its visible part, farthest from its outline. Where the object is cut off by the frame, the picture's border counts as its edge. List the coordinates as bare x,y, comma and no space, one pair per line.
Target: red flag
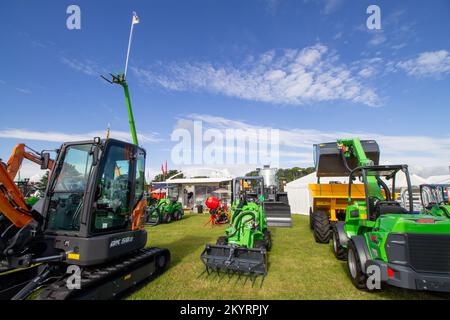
162,168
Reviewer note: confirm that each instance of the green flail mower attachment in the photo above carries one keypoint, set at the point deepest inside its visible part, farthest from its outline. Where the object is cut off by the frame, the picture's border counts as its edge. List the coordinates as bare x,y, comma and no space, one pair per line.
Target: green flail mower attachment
243,250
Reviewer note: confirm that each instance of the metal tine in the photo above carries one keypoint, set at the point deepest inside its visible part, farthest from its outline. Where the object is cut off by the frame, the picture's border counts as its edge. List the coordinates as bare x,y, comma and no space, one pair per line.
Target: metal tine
201,274
262,280
246,278
239,277
254,280
222,276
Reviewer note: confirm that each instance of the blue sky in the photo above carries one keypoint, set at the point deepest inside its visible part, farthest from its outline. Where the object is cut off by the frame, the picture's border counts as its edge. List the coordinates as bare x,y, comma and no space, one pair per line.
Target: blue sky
309,68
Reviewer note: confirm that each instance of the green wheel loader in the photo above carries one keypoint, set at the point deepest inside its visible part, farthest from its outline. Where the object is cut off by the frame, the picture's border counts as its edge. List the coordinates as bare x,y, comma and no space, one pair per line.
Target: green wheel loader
244,247
435,199
383,242
165,210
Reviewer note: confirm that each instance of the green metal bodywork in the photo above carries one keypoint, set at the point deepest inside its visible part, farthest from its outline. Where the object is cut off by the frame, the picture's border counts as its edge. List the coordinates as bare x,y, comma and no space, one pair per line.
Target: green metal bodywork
376,231
164,206
242,230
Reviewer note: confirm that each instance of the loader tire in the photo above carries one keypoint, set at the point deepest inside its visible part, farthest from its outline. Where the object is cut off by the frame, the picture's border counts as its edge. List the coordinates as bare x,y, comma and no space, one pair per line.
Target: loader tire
167,218
268,239
322,227
222,241
177,215
339,251
359,279
311,219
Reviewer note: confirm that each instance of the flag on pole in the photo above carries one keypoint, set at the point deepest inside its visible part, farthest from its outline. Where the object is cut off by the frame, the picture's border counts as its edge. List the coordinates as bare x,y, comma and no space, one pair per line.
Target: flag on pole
135,18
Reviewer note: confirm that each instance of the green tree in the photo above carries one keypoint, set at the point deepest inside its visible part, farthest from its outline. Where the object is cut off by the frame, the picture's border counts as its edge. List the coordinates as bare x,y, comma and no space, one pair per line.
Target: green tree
289,174
41,185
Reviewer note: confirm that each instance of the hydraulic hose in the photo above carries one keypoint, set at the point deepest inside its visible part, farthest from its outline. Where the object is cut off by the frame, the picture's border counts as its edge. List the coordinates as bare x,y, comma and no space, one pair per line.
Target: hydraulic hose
239,218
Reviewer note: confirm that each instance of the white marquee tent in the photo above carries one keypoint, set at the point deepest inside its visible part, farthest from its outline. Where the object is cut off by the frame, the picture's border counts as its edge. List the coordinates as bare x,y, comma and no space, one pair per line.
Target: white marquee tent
298,192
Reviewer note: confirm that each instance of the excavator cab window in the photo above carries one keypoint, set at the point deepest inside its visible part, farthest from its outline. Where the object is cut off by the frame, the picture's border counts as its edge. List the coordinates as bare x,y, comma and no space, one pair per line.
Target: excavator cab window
66,200
112,209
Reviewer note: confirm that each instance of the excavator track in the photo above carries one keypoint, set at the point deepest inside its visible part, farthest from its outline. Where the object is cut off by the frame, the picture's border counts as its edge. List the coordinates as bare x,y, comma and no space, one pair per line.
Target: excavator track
111,280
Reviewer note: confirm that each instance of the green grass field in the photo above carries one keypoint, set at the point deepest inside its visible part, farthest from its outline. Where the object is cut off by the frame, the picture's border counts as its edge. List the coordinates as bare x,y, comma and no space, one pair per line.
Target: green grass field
299,268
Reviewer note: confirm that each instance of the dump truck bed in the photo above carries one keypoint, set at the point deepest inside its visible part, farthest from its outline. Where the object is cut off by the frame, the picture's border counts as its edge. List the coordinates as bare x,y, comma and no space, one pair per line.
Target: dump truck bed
332,198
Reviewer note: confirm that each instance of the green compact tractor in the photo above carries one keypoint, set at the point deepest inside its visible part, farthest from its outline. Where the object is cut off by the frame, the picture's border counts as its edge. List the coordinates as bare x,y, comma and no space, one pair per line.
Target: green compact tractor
166,209
244,247
383,242
435,199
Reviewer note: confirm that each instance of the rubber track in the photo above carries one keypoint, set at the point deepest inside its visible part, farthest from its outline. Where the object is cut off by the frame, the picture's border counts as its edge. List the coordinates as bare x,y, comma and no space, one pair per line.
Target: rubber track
94,276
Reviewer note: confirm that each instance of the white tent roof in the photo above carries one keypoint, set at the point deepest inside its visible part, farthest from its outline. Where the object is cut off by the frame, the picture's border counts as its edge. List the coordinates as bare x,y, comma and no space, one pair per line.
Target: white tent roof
439,179
197,180
312,178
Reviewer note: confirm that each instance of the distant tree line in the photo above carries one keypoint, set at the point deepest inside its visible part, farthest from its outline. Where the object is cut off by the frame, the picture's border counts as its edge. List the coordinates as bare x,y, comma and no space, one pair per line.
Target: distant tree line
288,175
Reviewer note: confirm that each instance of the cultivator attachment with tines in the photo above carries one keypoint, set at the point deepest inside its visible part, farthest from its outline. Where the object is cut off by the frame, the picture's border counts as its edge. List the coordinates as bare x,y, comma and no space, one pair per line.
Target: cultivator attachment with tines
229,259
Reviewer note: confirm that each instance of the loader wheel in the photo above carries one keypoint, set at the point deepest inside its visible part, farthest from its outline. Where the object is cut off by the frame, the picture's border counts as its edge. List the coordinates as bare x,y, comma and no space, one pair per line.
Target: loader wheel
167,218
359,279
311,219
177,215
322,227
222,241
339,251
268,239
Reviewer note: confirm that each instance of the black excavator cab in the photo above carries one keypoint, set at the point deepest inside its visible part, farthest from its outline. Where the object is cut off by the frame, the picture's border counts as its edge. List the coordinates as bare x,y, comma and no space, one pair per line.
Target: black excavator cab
91,213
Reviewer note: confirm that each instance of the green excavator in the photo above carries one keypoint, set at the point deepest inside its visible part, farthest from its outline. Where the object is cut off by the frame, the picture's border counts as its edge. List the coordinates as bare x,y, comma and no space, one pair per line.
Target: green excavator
243,249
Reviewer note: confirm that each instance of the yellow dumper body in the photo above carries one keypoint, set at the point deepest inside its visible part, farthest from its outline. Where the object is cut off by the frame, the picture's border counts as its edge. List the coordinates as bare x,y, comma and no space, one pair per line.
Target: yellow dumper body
333,198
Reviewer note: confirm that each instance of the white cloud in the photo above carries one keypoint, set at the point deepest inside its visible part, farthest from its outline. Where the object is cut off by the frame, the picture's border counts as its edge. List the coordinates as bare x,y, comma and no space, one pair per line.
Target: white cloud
425,154
293,77
54,136
431,63
331,6
86,66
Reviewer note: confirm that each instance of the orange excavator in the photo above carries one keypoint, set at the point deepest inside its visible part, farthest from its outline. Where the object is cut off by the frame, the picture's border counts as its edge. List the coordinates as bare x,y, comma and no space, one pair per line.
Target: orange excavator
12,201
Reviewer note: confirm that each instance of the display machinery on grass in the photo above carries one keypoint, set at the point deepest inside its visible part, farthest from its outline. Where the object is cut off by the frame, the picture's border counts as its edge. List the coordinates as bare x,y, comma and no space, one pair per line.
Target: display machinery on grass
165,209
409,250
435,199
91,224
243,249
276,204
329,201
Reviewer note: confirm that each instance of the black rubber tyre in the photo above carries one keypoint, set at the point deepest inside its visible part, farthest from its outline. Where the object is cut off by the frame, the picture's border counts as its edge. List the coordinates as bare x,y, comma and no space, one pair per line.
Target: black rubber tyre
268,239
339,251
359,279
322,227
260,244
311,219
167,218
222,240
177,215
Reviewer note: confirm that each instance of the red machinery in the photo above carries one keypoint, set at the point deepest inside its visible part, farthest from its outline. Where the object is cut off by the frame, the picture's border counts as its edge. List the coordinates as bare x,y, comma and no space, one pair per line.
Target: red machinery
218,212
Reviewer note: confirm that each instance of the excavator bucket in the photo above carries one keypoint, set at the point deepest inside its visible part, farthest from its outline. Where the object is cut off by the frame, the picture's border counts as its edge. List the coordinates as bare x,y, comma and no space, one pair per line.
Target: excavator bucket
329,163
278,214
250,262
